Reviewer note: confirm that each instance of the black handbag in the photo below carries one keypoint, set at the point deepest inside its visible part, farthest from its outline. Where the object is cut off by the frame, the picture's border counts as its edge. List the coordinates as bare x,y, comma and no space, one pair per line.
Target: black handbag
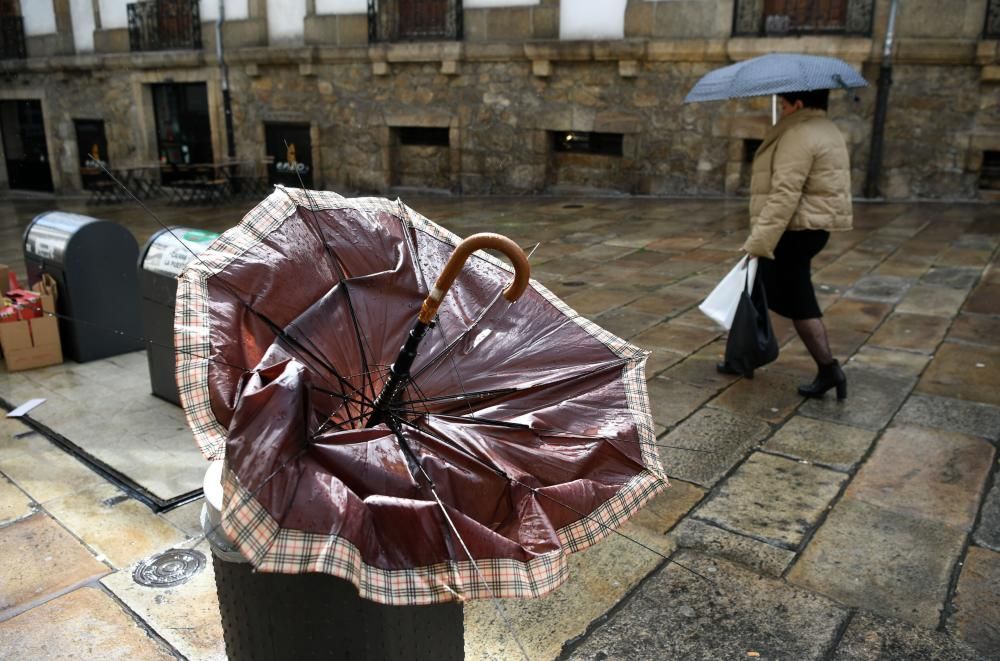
751,342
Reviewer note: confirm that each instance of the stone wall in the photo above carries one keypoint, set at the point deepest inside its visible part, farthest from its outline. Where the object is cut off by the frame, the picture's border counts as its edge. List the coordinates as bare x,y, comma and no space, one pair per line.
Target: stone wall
499,101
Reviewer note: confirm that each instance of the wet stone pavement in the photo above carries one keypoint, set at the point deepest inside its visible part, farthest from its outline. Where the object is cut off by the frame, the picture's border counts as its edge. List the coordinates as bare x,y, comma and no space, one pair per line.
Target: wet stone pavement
793,529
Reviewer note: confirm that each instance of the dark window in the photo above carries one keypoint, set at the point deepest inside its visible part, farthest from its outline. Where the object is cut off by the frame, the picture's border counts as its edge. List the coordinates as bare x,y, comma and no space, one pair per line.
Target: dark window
992,28
289,148
183,130
796,17
12,46
750,147
423,136
989,174
583,142
27,155
92,147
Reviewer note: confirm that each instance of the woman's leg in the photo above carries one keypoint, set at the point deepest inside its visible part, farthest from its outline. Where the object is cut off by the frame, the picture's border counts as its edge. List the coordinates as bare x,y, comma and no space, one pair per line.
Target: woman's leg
813,334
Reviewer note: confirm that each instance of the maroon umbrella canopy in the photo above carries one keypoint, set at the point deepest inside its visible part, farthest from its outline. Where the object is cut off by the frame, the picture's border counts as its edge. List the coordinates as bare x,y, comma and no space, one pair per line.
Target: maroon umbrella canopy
520,433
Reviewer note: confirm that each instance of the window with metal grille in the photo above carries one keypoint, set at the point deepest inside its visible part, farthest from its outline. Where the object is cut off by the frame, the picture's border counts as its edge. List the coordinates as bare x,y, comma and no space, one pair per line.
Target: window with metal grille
164,25
797,17
586,142
414,20
423,136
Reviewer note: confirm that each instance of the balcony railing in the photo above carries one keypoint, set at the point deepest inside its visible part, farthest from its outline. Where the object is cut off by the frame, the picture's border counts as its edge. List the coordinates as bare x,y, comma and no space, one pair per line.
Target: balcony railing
12,38
776,18
414,20
164,25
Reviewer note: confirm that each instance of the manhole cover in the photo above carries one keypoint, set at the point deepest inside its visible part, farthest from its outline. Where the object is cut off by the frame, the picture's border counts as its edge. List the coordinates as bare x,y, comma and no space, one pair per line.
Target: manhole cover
169,568
574,283
572,206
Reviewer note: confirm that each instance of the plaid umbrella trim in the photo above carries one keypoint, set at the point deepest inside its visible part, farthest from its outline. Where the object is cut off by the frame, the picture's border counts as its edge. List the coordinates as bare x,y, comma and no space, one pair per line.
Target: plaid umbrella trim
270,548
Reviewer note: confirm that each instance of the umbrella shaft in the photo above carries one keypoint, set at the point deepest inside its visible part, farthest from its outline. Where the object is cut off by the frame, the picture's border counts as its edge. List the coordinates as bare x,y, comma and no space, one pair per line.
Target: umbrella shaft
398,374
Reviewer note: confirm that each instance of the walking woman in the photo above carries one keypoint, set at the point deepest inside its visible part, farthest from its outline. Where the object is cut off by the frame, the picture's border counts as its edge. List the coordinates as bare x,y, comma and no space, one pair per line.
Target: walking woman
800,191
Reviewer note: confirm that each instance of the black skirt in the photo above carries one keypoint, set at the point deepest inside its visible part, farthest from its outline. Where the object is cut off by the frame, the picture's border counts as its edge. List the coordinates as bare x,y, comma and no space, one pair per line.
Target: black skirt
787,279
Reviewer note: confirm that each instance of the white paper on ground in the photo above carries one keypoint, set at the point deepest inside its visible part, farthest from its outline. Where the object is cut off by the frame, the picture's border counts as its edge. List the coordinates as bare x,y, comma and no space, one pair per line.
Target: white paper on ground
25,408
720,305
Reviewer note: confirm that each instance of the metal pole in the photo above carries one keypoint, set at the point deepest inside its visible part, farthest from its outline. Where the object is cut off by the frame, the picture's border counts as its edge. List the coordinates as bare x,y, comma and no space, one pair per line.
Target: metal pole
774,109
881,108
224,70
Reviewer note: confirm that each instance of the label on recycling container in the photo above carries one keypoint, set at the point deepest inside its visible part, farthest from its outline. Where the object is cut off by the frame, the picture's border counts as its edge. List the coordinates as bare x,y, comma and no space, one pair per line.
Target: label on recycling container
171,251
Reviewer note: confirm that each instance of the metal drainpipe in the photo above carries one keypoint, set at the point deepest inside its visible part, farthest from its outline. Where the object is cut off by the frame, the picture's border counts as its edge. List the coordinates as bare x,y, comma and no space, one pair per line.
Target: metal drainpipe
881,108
224,70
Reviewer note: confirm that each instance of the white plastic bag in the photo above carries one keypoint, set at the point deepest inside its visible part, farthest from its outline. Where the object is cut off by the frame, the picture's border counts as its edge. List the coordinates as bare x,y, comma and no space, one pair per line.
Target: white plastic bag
720,305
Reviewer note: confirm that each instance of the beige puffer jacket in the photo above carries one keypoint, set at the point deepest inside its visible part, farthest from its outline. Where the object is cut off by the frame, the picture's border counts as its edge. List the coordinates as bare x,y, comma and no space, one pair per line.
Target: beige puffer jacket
801,180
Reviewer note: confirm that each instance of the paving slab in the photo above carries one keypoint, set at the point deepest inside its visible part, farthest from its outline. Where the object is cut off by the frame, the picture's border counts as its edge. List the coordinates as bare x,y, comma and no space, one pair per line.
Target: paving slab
14,503
594,301
85,624
855,315
872,638
976,614
879,288
675,337
675,615
828,444
186,615
771,396
933,300
927,473
985,299
987,531
895,364
661,359
956,256
711,540
714,440
141,436
672,401
774,499
951,414
889,563
976,329
664,302
956,277
20,459
599,578
964,372
698,369
911,332
872,400
40,560
626,323
121,529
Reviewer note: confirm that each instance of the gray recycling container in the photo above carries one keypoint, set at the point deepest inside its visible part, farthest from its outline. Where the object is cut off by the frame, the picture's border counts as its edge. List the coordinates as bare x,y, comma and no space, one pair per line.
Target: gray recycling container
317,616
93,264
162,259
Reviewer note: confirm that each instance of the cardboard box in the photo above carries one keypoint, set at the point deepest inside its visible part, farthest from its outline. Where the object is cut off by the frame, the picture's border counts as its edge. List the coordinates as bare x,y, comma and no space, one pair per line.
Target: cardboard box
33,342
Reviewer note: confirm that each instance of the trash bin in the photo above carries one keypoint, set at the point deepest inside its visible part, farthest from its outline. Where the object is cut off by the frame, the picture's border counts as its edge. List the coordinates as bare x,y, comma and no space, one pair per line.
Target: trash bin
163,258
93,264
316,616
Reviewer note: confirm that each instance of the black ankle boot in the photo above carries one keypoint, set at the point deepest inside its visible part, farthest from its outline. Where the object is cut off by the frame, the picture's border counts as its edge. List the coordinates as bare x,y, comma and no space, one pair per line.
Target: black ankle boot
829,376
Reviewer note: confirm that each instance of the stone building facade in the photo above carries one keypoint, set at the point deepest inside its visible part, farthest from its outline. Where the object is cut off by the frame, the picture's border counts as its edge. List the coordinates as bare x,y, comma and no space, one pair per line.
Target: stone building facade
497,110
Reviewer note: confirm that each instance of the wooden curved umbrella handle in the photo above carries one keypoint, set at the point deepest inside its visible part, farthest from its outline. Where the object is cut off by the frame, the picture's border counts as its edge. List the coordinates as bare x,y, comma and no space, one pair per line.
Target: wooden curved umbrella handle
513,291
